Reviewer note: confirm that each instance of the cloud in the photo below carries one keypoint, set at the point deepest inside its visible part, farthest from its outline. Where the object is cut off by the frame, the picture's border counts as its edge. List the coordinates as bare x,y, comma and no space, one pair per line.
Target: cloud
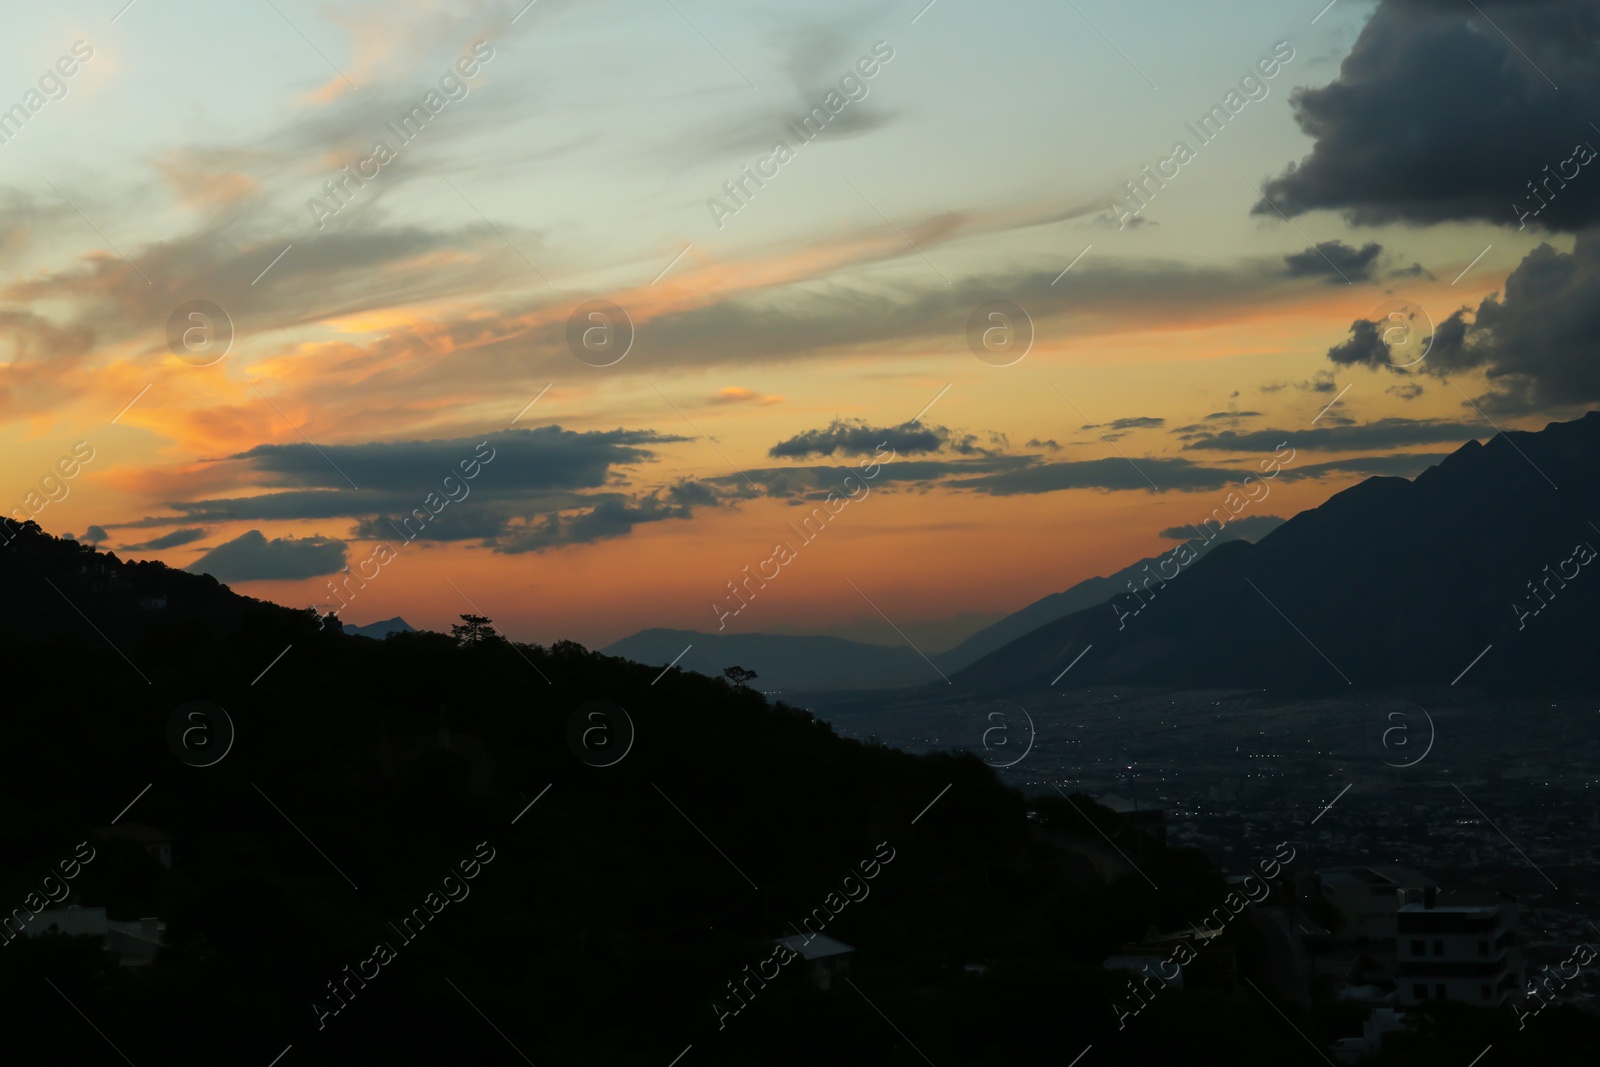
1385,433
171,540
857,438
1049,445
95,534
1416,270
1364,347
734,394
1408,391
1245,528
548,457
1334,262
1436,116
1136,423
1229,418
251,557
814,54
1164,475
1322,381
530,489
1535,343
1399,465
606,520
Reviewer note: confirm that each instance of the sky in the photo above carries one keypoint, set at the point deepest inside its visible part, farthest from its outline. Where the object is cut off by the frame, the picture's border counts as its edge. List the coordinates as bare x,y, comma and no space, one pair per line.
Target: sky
544,322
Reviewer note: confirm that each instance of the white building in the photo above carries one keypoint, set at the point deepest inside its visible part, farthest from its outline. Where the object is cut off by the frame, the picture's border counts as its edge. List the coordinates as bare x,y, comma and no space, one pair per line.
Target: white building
1458,945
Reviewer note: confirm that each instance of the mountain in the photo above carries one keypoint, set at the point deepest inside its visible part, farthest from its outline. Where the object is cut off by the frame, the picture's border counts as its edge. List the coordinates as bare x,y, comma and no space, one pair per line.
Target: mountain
380,630
813,664
782,662
1086,594
1391,582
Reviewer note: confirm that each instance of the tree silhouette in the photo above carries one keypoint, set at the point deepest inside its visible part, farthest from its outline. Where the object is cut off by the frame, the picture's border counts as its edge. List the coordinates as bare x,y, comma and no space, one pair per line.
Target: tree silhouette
739,677
474,629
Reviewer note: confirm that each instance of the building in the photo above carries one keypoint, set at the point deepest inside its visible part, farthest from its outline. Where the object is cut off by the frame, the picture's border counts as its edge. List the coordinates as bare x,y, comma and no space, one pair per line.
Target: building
1152,821
1366,900
1381,1022
824,956
134,944
1458,945
156,843
1147,960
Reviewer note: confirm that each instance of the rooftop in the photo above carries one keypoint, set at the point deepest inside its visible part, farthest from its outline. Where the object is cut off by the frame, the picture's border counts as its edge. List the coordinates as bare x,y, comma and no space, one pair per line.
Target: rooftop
815,946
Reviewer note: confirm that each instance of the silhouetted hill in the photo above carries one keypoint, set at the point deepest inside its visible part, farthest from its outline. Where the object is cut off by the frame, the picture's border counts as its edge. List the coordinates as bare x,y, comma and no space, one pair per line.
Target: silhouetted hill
1390,582
51,586
640,877
782,661
1086,594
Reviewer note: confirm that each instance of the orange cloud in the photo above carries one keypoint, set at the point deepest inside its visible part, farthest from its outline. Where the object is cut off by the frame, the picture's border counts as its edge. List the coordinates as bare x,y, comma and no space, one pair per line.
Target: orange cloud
206,180
736,394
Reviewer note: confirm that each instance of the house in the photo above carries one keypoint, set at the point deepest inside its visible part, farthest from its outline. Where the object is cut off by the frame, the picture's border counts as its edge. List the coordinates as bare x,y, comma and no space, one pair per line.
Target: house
1382,1021
824,956
1458,944
1367,898
134,944
1144,960
1152,821
156,843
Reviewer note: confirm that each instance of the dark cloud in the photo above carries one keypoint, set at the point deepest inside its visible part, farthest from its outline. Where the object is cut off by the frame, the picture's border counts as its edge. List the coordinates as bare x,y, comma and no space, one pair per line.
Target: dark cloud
545,458
1416,270
1049,445
1436,116
1322,381
1536,343
251,557
1399,465
1245,528
95,534
529,489
1137,423
1385,433
993,474
1407,391
604,521
171,540
1334,262
816,482
1364,347
1156,475
853,437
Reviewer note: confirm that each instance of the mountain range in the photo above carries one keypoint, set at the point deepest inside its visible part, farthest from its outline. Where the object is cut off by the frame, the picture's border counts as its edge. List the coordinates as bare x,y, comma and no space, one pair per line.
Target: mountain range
793,663
1476,569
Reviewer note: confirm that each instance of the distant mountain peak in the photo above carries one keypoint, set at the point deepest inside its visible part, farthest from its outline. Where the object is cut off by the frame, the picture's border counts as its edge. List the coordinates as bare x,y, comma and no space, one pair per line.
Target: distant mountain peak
380,630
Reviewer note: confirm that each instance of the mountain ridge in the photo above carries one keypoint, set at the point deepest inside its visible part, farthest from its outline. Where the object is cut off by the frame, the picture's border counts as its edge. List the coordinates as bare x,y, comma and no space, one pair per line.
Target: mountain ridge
1392,581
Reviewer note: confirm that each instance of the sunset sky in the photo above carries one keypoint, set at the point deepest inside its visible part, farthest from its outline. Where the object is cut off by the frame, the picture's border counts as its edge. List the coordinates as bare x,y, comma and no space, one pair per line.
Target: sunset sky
379,339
